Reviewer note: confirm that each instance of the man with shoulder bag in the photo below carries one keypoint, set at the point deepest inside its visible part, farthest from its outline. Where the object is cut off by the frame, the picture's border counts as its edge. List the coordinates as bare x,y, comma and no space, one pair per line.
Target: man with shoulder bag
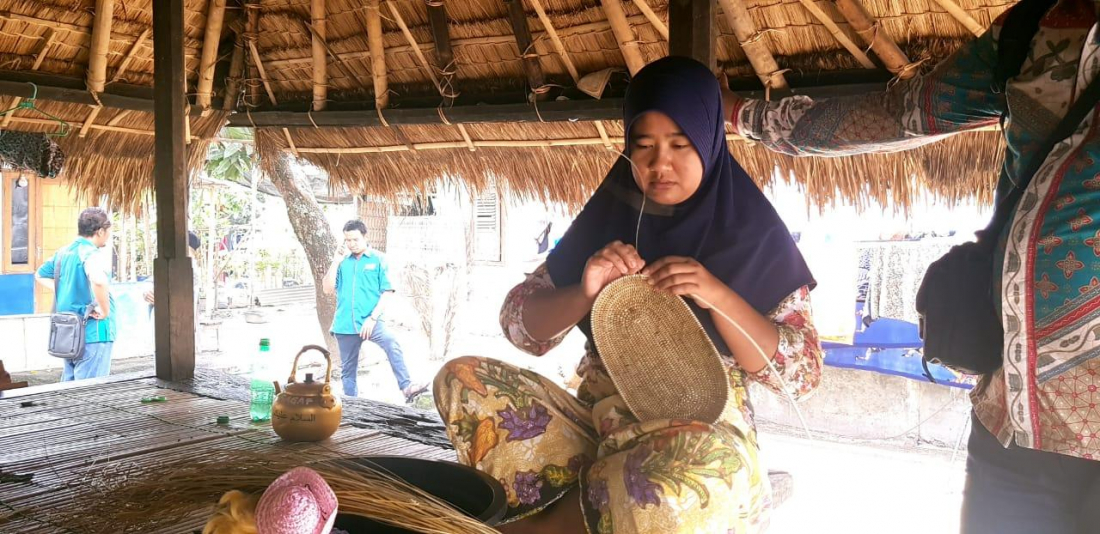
82,327
1021,305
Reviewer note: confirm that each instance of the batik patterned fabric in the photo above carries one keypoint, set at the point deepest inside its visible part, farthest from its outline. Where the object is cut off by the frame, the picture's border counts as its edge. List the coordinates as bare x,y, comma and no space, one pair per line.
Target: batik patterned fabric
1045,397
652,476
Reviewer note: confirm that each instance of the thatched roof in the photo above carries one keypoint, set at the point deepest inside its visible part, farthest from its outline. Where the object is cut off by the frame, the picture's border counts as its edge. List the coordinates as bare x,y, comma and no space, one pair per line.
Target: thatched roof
560,161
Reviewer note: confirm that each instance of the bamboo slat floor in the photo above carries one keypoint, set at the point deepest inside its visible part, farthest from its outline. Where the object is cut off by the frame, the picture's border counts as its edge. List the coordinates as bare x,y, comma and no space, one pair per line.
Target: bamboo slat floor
60,446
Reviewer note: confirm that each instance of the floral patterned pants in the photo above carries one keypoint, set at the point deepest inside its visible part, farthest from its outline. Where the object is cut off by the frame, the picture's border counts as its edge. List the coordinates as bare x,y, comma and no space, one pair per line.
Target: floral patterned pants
539,441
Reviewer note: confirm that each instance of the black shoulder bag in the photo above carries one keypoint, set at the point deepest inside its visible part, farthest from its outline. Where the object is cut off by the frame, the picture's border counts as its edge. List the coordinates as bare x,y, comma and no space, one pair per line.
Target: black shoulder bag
959,323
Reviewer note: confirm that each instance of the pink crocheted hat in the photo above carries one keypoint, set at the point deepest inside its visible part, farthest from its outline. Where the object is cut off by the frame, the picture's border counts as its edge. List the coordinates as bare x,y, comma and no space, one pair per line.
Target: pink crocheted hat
298,502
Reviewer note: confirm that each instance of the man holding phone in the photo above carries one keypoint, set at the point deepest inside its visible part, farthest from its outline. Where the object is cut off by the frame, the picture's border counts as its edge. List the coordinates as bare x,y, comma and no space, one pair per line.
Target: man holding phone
362,286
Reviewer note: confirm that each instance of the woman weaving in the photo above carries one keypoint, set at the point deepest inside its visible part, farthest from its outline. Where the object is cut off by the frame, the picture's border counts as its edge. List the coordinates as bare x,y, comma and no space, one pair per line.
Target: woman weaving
679,209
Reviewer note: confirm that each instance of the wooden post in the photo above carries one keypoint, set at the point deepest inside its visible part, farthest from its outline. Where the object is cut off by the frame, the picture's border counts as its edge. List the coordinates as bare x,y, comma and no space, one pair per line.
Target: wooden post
624,35
320,57
692,30
884,47
377,55
526,48
101,43
173,274
215,16
753,44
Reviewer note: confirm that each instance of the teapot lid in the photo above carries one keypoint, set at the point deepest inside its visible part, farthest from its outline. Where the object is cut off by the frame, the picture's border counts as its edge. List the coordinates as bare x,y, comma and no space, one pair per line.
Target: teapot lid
308,387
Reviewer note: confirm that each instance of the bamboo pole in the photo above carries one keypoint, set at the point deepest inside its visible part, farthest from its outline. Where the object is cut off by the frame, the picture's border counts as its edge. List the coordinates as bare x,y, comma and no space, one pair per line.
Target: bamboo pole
118,117
215,17
263,73
871,31
556,39
624,35
603,135
415,47
654,20
236,72
838,34
466,138
101,43
449,145
90,121
320,60
129,57
377,55
40,56
290,142
752,43
962,16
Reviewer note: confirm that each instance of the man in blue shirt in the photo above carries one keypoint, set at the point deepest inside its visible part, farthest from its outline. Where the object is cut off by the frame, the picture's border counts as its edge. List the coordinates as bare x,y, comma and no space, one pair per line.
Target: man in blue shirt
362,286
83,272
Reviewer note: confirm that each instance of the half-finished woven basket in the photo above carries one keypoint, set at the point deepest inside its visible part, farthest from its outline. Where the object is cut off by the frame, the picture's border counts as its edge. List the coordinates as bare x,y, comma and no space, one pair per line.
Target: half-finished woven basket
657,353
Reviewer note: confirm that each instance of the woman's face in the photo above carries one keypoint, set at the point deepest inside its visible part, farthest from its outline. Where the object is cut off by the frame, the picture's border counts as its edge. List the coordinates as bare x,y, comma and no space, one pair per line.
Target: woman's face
666,165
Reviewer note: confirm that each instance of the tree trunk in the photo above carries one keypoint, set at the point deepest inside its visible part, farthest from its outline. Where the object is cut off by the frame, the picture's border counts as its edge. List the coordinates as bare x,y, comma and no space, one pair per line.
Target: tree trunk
312,229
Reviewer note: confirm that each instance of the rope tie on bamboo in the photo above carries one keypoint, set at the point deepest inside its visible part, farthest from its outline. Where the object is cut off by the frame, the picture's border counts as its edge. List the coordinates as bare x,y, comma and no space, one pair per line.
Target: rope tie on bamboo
873,30
904,71
309,115
248,113
381,117
769,81
756,37
443,116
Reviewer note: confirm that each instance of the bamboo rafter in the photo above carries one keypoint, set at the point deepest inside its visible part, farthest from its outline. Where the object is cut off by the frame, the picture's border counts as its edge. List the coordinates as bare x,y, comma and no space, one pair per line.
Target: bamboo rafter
548,26
40,56
236,72
838,34
962,16
129,57
415,47
320,60
101,42
884,47
450,145
654,20
215,17
752,42
624,35
603,135
89,121
377,55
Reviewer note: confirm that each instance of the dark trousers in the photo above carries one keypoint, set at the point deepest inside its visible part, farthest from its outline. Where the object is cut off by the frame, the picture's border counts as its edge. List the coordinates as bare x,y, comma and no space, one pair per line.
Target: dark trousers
349,357
1023,491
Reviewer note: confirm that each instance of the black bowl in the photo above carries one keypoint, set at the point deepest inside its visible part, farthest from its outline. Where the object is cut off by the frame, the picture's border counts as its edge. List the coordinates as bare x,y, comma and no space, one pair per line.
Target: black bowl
477,494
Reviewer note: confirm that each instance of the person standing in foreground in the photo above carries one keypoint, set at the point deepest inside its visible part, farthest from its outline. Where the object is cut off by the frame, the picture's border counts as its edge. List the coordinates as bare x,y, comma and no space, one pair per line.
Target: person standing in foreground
1035,440
362,286
83,274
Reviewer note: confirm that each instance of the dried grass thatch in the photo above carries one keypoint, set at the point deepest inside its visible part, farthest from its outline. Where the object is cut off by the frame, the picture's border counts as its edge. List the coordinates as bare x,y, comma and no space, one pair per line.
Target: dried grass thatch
116,162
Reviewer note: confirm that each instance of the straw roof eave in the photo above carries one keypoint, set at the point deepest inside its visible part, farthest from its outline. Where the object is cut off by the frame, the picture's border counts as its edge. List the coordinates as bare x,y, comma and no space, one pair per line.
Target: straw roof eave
560,162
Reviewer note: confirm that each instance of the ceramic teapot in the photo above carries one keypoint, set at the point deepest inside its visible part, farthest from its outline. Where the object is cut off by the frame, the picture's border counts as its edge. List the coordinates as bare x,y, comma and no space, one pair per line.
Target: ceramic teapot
307,410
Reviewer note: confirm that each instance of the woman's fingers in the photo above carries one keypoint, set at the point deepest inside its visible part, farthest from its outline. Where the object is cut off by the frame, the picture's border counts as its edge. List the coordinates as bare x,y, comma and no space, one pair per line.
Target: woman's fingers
628,254
615,259
664,262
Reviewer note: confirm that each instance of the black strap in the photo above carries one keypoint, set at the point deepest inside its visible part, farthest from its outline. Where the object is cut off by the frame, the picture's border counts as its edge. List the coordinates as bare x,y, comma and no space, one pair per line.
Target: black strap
56,274
1069,124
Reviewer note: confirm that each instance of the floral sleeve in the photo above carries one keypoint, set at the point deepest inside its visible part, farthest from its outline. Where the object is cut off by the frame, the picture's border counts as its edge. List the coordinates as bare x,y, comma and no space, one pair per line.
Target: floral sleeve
511,314
799,356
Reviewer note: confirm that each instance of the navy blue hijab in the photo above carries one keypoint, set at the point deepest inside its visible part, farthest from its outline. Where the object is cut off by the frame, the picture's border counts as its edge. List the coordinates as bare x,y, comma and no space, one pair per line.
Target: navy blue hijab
728,224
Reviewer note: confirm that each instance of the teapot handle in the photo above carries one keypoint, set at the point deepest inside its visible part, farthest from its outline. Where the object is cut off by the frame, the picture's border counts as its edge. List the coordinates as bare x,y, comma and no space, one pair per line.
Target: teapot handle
328,358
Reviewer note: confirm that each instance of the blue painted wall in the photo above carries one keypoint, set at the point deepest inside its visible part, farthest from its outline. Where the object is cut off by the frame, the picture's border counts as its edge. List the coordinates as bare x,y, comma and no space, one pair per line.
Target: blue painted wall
16,294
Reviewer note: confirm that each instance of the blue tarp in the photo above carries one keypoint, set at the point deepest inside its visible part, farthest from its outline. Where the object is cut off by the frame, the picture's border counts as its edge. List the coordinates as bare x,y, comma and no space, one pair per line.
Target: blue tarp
891,347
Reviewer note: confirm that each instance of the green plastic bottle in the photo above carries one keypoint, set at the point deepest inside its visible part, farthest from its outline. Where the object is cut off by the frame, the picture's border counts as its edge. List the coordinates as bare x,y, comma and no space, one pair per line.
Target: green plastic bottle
263,390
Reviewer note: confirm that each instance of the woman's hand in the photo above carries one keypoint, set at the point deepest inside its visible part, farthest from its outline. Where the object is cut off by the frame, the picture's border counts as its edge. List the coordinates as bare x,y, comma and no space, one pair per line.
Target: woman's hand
610,263
687,277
